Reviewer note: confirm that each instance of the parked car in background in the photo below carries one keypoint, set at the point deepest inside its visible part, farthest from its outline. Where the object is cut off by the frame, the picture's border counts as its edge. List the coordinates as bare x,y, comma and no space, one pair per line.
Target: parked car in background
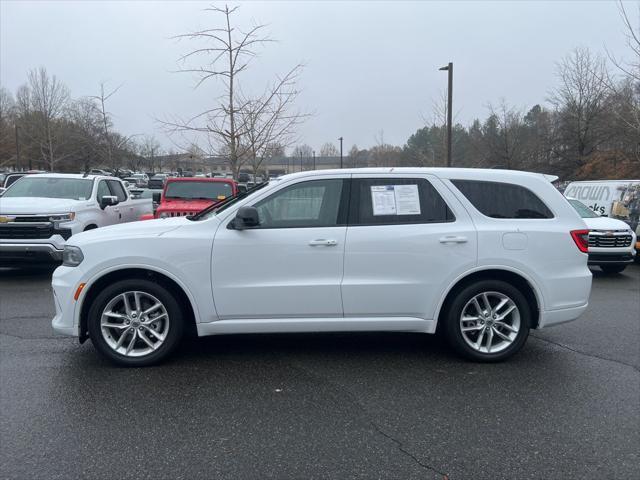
157,181
138,182
483,255
611,242
153,194
188,196
98,171
40,212
10,178
142,179
123,173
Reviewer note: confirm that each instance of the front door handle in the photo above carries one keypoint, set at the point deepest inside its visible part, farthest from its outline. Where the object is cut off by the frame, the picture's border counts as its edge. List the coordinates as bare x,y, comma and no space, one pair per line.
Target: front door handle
453,239
323,243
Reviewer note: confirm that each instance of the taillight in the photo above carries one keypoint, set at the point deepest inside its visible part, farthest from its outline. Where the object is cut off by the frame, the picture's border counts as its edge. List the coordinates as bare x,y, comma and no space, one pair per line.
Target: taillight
581,237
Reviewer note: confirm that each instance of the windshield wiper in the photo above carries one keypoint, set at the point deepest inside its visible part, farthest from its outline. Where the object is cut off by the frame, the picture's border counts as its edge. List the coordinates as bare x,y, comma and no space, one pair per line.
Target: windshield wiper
215,206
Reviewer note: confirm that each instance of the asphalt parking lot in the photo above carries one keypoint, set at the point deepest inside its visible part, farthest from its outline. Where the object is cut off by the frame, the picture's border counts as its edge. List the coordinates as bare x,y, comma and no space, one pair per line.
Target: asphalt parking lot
322,406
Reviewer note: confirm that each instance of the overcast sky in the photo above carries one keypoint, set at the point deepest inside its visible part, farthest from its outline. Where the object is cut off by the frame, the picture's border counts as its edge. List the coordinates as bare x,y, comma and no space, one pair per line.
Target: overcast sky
370,66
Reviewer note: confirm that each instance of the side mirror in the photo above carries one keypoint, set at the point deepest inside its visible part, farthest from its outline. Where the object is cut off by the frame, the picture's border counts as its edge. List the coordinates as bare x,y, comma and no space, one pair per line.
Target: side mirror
2,190
246,217
108,201
156,196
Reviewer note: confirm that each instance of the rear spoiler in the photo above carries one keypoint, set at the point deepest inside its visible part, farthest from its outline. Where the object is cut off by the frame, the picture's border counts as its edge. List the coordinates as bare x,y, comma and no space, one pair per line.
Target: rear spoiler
551,178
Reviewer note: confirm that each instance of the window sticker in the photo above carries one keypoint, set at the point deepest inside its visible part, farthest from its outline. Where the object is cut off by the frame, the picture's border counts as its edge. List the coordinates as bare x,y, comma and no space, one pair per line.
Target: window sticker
383,200
395,200
407,199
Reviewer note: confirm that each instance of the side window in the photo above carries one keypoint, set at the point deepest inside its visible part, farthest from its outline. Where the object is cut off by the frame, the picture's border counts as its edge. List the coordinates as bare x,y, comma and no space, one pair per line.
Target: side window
392,201
503,200
315,203
103,189
117,190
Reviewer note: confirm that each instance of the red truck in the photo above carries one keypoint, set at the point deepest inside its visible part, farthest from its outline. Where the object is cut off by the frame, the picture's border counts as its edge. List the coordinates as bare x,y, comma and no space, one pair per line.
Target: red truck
188,196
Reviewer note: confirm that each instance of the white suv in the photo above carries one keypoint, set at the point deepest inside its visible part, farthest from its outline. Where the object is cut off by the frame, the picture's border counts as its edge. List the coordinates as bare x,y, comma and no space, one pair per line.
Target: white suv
484,255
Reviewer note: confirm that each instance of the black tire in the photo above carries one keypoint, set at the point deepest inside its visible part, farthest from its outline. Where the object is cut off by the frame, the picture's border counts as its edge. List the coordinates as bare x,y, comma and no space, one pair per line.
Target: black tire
90,227
168,300
612,268
453,314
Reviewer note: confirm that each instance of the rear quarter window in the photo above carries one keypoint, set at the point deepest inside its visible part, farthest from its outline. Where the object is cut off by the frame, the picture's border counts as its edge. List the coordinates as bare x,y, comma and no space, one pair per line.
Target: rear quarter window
503,200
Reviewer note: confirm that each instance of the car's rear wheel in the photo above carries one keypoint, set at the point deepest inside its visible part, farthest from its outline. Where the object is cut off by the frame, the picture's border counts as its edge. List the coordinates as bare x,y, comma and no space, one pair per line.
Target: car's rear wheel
612,268
488,321
135,322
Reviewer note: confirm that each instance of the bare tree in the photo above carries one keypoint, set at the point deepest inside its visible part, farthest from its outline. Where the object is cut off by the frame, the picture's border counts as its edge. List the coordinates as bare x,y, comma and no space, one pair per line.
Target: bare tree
580,104
329,150
46,101
629,67
384,154
224,55
149,148
84,132
302,155
270,119
626,94
8,154
506,148
106,122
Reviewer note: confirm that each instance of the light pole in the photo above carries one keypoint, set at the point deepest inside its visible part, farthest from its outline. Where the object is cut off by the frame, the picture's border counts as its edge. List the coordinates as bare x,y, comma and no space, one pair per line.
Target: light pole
449,69
340,151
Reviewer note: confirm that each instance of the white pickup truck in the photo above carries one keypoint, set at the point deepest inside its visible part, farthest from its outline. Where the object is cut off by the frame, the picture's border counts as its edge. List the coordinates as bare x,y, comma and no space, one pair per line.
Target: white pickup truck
39,213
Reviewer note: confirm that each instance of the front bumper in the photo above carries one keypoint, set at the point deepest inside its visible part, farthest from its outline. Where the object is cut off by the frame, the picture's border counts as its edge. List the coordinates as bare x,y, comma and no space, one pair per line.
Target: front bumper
611,258
32,243
29,253
64,282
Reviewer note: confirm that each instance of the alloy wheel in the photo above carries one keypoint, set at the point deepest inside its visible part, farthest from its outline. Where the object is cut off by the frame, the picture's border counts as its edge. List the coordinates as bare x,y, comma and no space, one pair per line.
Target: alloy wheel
490,322
134,324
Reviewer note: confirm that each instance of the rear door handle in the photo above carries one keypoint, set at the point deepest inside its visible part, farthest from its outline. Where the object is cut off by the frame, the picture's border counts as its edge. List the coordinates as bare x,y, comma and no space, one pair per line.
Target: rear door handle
453,239
321,242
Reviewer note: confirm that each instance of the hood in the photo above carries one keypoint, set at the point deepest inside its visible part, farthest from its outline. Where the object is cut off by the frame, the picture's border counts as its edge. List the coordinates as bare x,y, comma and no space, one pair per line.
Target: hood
147,228
177,204
39,205
605,223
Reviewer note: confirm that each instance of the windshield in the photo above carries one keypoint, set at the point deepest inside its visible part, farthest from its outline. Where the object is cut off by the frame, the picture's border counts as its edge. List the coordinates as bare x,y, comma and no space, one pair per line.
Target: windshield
47,187
199,190
582,209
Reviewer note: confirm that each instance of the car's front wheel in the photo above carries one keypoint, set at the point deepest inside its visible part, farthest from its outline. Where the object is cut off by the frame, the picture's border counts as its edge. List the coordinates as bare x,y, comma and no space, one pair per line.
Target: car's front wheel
488,321
135,322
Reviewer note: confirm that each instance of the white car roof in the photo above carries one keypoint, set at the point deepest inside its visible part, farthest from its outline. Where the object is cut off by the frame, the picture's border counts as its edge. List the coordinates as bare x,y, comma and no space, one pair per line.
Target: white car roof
90,176
486,174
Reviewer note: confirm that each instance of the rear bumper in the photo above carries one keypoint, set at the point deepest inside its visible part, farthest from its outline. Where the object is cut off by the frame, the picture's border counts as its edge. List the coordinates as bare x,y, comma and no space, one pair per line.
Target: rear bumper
549,318
29,253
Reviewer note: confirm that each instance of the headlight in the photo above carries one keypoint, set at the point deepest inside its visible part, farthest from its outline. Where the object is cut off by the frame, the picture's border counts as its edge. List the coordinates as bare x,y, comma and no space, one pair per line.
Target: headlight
62,217
164,215
72,256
